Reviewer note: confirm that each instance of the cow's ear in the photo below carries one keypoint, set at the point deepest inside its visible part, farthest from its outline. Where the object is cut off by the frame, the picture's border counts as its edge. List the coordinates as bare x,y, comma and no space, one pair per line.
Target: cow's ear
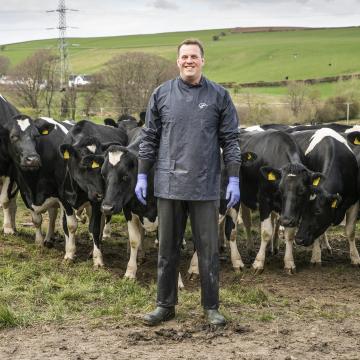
44,127
354,138
67,151
270,174
334,200
316,179
247,158
110,122
92,161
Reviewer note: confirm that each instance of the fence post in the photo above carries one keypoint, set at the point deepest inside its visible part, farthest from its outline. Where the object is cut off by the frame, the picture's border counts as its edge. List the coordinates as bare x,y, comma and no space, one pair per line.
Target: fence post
347,113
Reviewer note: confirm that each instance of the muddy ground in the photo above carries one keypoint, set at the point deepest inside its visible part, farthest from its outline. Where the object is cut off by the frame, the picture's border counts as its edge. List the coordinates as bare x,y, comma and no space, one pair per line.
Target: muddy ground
313,314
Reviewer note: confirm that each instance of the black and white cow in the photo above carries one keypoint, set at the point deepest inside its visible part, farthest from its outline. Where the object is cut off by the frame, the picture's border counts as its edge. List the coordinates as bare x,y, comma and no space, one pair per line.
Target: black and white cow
18,150
335,193
277,182
82,149
120,173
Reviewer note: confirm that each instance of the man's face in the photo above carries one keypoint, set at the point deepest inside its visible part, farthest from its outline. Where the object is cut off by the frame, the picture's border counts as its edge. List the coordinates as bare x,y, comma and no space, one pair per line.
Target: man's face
190,63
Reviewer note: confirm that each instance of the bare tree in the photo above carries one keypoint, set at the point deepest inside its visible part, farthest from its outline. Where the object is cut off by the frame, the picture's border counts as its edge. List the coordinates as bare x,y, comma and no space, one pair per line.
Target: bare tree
51,81
132,77
297,92
30,78
4,65
92,92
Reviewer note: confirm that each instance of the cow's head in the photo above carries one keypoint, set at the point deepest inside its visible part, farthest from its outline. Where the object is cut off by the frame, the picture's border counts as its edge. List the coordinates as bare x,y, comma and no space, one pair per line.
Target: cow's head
120,173
295,184
84,160
21,134
317,216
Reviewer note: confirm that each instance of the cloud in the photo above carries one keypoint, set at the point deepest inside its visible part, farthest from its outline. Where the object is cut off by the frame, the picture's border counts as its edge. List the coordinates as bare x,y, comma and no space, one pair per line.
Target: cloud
164,4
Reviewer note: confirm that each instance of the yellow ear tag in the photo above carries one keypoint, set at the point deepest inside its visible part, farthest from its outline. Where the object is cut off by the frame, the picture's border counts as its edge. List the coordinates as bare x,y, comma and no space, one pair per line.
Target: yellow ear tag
45,132
66,155
334,204
356,141
271,176
95,165
316,181
249,157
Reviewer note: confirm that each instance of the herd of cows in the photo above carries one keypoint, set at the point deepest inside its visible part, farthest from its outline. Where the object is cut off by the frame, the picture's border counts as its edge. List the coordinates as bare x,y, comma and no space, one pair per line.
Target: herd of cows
303,178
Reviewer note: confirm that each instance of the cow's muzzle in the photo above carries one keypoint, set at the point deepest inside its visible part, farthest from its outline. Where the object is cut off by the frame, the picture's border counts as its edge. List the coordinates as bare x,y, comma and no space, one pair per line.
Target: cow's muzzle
107,209
31,162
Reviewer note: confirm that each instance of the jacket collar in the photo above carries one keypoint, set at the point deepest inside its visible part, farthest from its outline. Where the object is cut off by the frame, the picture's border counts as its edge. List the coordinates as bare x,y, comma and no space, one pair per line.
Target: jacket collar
200,84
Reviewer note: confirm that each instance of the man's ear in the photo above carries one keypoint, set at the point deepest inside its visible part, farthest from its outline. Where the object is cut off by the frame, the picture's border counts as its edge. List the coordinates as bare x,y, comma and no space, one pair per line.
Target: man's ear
270,174
67,151
43,126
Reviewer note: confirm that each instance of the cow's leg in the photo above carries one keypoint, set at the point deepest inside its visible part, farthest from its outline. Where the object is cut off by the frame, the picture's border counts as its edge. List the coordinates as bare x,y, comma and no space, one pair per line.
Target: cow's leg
37,221
289,257
107,228
236,260
324,242
316,253
266,233
135,235
180,282
222,242
9,207
70,225
194,266
52,223
246,219
351,217
275,234
95,229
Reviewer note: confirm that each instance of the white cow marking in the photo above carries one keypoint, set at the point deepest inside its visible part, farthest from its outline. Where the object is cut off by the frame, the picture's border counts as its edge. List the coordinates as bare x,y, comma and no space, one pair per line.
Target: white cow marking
254,128
354,128
114,157
321,134
52,121
24,124
291,175
150,226
3,98
92,148
312,197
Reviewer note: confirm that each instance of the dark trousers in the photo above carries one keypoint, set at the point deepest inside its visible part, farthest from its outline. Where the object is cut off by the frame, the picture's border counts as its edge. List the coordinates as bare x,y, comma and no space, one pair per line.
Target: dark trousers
204,217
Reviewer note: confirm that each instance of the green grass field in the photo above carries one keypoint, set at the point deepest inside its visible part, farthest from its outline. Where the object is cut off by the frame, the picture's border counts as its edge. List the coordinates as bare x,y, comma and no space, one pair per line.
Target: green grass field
241,57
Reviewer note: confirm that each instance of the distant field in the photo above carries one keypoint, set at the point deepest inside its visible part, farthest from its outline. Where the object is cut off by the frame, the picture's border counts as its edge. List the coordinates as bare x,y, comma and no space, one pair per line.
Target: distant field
238,57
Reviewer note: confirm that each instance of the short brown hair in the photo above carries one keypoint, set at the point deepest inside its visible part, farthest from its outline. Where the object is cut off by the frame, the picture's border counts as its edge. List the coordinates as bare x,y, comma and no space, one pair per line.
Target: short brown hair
192,42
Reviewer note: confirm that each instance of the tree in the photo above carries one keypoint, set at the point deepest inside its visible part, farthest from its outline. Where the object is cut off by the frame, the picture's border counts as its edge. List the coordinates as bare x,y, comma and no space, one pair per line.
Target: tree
51,82
297,92
31,77
131,78
92,92
4,65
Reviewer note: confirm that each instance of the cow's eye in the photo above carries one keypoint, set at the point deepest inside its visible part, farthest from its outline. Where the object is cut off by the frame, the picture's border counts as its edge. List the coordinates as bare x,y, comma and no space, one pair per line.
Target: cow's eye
125,178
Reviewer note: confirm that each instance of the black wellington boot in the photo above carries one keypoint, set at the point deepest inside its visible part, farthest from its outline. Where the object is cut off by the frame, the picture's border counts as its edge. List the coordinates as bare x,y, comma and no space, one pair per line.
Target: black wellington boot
215,318
159,315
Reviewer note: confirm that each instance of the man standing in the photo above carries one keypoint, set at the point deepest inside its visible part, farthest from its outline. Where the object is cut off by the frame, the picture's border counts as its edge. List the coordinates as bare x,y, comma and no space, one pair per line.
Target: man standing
188,120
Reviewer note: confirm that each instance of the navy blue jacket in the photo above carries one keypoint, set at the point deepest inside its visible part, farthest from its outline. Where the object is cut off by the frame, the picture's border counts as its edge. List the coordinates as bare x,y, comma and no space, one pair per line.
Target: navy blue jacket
185,127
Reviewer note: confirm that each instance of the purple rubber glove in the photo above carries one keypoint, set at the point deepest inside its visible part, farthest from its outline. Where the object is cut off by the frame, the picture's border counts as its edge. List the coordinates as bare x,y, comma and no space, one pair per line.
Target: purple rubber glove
141,187
233,191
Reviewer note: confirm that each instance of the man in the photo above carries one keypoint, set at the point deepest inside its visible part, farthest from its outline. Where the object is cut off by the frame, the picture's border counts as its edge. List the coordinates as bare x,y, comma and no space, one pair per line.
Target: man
188,119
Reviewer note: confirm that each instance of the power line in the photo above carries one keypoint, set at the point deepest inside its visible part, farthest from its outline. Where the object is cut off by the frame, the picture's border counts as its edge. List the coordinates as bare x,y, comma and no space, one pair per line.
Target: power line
64,63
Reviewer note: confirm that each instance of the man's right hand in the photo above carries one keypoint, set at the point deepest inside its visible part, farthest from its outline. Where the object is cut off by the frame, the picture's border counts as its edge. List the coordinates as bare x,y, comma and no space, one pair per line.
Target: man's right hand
141,188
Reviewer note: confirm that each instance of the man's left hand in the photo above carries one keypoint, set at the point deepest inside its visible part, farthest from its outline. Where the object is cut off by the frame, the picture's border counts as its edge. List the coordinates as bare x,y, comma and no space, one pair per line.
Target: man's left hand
233,191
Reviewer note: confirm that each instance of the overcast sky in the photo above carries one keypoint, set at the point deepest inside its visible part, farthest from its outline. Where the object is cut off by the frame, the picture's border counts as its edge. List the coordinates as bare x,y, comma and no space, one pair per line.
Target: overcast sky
22,20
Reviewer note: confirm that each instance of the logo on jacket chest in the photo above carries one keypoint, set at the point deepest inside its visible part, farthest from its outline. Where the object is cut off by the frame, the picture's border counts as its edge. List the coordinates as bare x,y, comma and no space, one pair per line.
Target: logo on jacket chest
203,105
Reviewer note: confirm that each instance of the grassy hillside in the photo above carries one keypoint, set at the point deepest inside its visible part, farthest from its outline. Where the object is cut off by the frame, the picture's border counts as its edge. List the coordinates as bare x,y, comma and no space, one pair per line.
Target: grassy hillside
240,57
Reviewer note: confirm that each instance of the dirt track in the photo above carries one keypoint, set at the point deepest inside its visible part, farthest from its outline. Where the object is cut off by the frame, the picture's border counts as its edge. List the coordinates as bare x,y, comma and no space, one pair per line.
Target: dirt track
315,315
